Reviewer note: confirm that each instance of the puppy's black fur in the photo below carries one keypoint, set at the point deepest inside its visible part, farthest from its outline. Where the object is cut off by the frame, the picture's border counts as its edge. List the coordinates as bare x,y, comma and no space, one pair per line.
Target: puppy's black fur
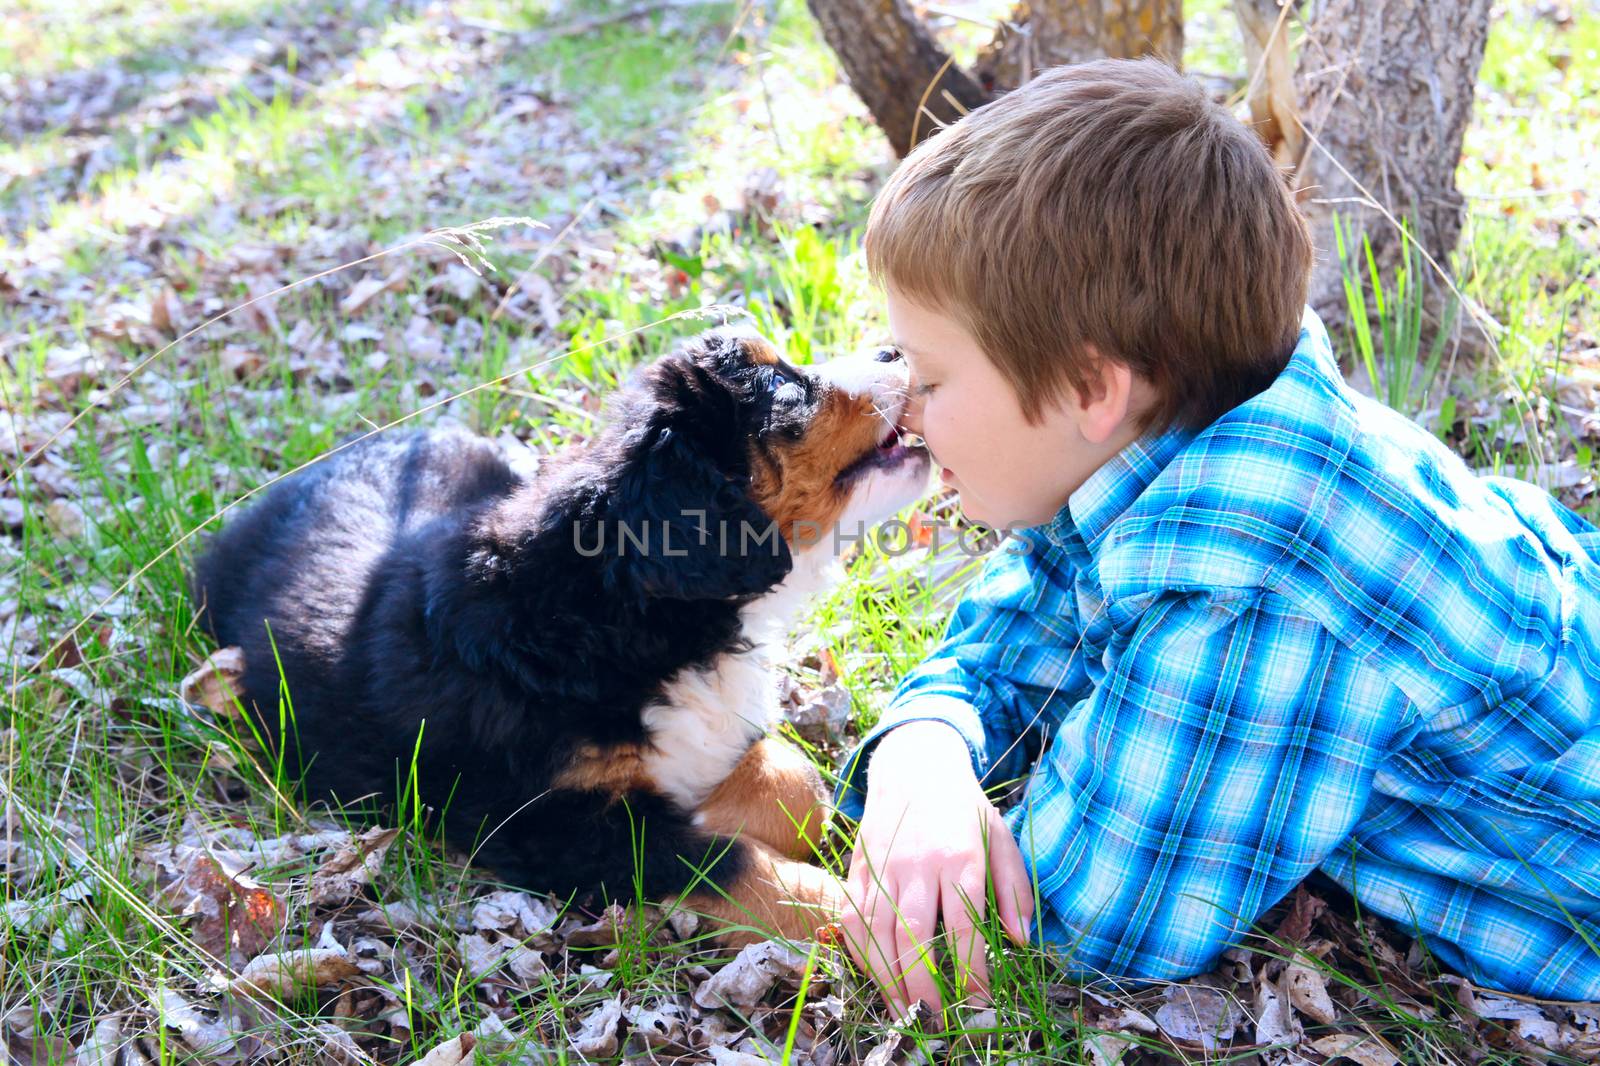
412,584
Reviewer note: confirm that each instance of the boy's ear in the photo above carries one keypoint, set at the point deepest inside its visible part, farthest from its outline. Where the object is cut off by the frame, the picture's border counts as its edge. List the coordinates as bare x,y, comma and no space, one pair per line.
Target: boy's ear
1105,405
680,527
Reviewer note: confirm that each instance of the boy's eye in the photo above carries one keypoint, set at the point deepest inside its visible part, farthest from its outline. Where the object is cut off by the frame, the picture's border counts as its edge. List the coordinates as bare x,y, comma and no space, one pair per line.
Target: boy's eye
923,389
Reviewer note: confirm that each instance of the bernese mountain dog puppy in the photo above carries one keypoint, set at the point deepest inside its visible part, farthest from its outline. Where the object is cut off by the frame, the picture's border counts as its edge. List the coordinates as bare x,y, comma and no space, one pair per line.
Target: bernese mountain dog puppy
575,672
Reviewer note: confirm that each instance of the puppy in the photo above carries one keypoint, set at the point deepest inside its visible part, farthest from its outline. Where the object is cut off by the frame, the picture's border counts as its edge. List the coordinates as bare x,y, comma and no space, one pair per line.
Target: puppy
575,672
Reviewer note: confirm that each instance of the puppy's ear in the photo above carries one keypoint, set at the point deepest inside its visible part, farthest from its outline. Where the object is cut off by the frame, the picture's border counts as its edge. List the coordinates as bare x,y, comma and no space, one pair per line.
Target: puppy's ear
681,524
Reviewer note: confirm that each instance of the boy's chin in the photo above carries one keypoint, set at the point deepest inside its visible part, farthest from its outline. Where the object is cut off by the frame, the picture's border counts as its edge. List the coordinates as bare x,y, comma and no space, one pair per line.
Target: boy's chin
999,519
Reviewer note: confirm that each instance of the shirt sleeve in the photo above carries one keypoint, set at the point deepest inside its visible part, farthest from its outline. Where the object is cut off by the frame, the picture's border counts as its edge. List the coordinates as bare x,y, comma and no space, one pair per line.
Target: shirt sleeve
1006,669
1230,748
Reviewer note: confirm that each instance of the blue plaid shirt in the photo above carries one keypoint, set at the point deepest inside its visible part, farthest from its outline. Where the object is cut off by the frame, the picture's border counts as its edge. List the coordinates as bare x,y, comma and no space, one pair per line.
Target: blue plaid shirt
1305,637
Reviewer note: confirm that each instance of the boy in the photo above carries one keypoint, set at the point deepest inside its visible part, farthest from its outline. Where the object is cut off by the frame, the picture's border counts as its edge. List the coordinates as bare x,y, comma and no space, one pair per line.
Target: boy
1252,623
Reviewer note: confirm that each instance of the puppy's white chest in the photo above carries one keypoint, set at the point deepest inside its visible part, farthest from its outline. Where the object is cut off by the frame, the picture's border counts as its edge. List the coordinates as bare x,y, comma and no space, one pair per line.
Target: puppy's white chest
706,721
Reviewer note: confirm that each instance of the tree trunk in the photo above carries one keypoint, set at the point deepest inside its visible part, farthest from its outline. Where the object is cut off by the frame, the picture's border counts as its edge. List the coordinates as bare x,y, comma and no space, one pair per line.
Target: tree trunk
1046,33
1274,104
895,65
906,80
1386,89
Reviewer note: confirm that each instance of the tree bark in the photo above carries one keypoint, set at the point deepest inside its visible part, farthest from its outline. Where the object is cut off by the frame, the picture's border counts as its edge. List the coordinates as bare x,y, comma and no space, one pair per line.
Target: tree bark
1274,103
1046,33
1386,90
912,88
906,80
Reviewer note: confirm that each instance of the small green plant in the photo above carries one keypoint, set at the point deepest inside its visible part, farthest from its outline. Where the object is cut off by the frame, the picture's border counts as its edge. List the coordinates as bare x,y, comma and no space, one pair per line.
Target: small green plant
1391,357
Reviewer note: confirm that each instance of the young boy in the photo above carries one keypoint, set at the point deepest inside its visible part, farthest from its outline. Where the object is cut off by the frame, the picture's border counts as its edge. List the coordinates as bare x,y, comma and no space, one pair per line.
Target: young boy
1252,624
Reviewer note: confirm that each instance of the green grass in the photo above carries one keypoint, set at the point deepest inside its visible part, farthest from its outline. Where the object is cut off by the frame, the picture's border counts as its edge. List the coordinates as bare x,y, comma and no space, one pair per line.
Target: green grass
329,164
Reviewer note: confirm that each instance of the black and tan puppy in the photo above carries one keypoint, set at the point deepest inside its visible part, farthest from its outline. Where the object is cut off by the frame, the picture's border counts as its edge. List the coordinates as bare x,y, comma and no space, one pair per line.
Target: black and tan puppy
577,670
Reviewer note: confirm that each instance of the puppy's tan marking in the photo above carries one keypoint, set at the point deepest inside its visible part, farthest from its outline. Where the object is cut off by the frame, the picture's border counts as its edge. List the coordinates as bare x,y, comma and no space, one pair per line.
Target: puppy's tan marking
613,768
773,896
774,796
796,483
760,352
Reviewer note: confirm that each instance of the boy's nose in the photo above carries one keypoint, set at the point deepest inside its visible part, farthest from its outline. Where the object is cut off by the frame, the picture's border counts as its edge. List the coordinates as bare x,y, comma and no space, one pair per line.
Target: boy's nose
911,416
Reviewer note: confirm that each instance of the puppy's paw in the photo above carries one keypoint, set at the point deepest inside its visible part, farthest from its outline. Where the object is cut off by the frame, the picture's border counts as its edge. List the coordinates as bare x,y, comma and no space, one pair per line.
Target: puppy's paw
773,897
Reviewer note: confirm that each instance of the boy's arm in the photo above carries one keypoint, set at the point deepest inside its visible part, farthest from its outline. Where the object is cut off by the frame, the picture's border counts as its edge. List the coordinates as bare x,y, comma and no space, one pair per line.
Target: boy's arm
1229,750
1007,667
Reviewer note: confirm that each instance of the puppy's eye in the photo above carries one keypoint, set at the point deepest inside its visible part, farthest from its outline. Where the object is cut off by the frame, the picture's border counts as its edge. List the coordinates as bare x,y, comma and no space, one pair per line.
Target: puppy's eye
777,381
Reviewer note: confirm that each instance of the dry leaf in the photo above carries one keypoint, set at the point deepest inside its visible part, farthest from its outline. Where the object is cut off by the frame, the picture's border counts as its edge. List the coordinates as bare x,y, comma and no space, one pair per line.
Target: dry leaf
457,1051
597,1039
241,362
215,684
201,1033
64,519
364,291
1275,1022
1106,1049
237,916
1198,1015
261,311
656,1026
103,1044
339,1047
538,289
166,312
1357,1047
602,931
344,873
282,973
1309,993
517,914
750,976
822,719
458,281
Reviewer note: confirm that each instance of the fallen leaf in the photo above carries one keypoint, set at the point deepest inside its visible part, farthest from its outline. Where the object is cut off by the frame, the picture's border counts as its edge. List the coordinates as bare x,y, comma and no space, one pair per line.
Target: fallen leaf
603,931
344,873
216,683
457,1051
64,519
1275,1022
367,289
1197,1015
517,914
658,1025
597,1038
822,719
237,917
196,1029
103,1045
1357,1047
282,973
750,976
166,312
1309,993
1106,1049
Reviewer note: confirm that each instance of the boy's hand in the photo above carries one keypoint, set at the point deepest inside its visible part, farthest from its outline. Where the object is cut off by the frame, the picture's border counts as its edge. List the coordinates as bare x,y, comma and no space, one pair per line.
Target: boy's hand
921,853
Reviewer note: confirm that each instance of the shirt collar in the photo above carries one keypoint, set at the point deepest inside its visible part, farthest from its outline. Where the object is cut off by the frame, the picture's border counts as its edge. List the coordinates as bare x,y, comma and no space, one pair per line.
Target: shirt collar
1109,491
1081,525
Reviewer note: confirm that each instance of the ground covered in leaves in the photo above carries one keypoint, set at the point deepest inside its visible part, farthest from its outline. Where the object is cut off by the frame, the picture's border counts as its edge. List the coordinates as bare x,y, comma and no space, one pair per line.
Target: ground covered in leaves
233,232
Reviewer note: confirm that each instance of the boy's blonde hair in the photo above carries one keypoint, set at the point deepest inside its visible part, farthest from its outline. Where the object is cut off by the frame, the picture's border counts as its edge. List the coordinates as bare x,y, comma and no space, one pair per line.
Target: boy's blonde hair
1109,204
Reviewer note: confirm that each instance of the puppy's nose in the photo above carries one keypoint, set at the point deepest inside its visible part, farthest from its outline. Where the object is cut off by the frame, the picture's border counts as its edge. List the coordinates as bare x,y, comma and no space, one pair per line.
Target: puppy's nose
887,355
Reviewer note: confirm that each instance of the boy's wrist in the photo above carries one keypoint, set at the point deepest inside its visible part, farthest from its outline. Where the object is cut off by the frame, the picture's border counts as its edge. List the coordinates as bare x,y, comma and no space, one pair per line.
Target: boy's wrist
929,742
